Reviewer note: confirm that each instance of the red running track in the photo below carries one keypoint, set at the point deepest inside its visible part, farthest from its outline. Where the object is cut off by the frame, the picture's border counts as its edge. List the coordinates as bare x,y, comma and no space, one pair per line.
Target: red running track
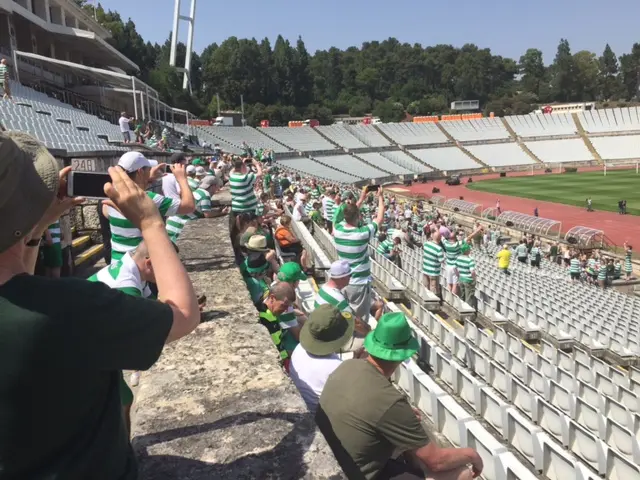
619,228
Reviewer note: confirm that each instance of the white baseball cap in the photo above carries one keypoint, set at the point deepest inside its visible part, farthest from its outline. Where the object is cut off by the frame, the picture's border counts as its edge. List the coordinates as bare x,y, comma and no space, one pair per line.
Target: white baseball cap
191,169
134,161
200,172
339,269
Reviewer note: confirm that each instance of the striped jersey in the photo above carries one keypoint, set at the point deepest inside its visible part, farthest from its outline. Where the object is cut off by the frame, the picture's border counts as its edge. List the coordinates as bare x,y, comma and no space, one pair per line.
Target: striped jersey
4,72
466,265
176,223
328,206
315,193
193,183
55,232
451,250
332,296
385,246
243,196
352,245
574,266
602,273
432,258
628,266
125,236
535,251
123,275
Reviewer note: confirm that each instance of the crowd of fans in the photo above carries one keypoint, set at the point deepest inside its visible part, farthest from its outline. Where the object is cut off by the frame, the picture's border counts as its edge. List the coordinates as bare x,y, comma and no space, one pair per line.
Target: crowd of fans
340,353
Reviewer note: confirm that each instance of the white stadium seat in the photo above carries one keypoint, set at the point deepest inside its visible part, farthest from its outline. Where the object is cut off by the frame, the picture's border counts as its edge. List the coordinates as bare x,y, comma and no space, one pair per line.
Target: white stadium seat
501,154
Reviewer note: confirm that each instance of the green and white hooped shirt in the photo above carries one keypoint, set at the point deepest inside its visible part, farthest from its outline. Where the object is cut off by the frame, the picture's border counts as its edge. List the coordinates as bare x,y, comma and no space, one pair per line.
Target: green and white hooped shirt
125,236
55,232
352,244
333,297
123,275
176,223
243,196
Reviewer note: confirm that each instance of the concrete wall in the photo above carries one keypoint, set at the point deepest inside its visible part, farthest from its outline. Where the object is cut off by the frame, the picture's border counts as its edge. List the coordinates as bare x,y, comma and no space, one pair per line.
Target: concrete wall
217,404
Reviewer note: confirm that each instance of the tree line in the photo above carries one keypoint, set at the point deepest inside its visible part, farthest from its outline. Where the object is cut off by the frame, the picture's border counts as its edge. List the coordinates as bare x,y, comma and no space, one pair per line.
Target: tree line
388,79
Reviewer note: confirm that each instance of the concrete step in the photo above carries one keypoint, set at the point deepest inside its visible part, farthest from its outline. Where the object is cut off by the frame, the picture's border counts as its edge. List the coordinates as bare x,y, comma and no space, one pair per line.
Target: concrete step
461,147
522,145
81,242
586,139
89,256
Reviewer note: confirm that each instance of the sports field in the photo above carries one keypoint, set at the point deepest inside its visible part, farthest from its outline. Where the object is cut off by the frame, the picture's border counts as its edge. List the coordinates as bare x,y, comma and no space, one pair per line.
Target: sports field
571,188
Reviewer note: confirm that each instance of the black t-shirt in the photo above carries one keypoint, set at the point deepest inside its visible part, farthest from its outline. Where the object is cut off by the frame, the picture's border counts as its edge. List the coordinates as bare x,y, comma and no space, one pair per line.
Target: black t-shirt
63,343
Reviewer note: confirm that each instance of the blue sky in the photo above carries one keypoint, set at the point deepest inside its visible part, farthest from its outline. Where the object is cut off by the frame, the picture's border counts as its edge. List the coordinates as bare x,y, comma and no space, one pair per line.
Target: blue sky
507,27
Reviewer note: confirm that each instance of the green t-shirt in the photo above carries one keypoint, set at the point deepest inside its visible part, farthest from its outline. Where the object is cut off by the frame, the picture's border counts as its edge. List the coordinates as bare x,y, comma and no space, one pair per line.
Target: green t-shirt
51,424
368,431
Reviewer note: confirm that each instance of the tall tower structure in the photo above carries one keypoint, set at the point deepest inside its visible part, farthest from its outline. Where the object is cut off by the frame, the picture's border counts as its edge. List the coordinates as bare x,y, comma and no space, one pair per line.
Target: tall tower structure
190,19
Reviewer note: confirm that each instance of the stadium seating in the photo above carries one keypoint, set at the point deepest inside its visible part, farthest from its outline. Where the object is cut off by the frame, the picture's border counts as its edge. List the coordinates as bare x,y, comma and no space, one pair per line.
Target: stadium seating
404,160
302,139
611,120
341,135
309,167
347,163
369,135
380,161
252,136
413,133
618,147
501,154
538,125
560,151
56,124
446,158
476,130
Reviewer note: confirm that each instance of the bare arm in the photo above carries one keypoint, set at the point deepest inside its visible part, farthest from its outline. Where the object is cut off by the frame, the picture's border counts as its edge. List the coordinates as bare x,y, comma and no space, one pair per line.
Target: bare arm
363,196
187,202
380,215
438,459
258,166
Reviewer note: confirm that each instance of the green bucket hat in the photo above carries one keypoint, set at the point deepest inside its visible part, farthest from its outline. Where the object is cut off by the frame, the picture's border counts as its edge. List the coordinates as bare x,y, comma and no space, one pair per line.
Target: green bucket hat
291,272
392,339
326,331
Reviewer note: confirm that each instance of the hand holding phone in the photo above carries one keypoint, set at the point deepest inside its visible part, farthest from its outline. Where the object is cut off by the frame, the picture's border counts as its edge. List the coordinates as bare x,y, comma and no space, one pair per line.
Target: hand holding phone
372,188
87,184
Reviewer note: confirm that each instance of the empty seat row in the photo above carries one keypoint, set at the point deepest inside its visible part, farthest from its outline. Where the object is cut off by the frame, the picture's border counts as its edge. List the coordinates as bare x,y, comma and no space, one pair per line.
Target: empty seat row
302,139
539,125
477,129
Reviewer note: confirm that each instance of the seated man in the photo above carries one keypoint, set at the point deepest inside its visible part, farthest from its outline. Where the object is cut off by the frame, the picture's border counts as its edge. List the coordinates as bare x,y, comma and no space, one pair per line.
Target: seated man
326,332
289,243
365,419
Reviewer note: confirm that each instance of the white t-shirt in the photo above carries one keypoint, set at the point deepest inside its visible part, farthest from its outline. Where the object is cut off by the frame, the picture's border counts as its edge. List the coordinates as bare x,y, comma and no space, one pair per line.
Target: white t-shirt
170,186
298,211
124,124
309,374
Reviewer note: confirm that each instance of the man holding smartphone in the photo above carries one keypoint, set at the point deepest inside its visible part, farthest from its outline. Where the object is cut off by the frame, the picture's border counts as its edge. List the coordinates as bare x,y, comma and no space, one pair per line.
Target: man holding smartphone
55,331
125,236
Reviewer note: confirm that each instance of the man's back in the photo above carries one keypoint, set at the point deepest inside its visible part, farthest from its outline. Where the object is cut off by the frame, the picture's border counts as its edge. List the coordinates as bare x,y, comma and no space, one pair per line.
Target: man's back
60,412
352,244
243,197
368,416
504,257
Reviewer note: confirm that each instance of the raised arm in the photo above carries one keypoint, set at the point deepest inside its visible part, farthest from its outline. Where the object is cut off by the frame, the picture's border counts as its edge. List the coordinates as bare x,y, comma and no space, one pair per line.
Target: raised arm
380,214
187,202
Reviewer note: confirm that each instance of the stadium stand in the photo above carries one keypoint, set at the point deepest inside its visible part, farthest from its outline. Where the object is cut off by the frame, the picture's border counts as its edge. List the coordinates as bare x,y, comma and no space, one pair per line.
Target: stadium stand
369,135
475,130
413,133
309,167
302,139
618,147
446,158
611,120
348,163
535,125
252,136
404,160
560,151
341,135
380,161
56,124
501,154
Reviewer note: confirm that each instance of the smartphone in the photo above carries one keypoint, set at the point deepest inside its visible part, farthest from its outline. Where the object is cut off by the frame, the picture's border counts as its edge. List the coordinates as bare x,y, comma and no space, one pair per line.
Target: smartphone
87,184
372,188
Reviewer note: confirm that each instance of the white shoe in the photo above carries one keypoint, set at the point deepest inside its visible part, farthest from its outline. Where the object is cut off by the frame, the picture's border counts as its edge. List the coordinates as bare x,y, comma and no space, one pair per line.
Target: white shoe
134,380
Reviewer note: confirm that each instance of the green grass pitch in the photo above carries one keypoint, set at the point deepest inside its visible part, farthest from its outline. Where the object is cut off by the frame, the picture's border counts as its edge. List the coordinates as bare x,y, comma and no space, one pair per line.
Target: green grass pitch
572,188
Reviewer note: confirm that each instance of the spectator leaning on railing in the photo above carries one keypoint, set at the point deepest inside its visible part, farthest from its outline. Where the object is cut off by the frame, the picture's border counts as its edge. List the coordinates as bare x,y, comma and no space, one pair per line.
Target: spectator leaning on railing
56,331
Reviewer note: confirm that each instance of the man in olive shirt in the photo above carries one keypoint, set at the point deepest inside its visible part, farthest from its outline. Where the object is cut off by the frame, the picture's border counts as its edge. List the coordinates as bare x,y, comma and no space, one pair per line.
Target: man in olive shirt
365,419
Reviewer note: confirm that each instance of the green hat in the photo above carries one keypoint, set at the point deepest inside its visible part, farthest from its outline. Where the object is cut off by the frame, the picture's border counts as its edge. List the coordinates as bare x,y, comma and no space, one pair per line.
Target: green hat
198,161
291,272
465,248
326,331
392,339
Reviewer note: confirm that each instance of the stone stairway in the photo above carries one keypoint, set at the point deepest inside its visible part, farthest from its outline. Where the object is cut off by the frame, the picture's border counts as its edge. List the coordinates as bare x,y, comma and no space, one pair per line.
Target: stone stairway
586,139
405,150
522,145
461,147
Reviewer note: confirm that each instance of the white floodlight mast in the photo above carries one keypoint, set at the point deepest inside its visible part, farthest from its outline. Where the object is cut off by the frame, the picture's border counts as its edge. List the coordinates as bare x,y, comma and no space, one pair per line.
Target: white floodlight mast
186,81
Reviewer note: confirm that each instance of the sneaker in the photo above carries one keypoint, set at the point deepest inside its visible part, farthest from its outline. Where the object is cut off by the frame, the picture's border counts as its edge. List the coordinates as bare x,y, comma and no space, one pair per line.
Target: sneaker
134,380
